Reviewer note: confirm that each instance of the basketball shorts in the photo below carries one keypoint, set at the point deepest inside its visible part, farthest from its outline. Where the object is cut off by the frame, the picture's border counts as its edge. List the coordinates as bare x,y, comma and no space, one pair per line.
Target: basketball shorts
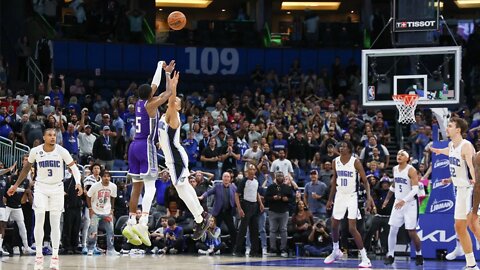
3,214
14,214
463,202
48,197
142,160
344,202
407,215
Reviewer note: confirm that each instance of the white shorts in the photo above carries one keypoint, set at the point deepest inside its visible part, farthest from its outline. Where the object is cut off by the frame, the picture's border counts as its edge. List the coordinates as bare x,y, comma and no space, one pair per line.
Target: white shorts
3,214
48,197
344,202
14,214
463,202
407,215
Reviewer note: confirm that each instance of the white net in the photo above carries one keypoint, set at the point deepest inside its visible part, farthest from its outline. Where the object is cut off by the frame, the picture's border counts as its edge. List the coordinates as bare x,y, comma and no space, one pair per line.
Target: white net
406,105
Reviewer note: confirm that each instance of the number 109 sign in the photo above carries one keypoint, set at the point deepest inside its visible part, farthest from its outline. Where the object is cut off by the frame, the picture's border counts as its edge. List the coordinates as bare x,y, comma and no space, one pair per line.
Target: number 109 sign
212,61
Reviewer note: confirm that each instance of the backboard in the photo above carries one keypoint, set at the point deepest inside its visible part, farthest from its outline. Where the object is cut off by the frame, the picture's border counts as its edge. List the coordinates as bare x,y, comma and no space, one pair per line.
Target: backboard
433,73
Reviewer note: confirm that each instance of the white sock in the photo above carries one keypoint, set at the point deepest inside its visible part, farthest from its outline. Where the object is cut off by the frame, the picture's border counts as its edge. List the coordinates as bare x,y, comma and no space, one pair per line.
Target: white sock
418,253
392,240
336,246
38,231
363,253
1,242
133,219
470,258
55,232
85,225
187,193
144,219
148,195
157,78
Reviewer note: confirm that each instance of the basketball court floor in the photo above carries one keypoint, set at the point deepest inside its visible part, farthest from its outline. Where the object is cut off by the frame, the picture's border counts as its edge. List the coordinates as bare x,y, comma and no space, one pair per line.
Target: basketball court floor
224,262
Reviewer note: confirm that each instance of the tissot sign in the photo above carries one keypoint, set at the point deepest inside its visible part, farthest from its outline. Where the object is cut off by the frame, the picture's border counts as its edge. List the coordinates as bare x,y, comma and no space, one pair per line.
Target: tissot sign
415,25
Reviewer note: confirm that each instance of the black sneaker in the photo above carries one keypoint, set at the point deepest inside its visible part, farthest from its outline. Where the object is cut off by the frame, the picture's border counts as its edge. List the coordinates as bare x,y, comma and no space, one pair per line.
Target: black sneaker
200,228
388,260
419,260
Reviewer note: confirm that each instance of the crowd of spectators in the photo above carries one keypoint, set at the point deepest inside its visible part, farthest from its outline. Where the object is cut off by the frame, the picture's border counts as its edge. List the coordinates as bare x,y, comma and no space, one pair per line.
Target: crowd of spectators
286,145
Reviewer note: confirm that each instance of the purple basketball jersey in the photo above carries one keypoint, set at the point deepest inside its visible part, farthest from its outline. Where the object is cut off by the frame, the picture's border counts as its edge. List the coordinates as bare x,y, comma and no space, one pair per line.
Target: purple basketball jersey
145,127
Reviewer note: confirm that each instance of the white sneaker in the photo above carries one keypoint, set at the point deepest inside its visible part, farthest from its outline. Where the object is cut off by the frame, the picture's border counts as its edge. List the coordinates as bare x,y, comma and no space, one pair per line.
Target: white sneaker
38,263
4,253
217,252
335,255
54,263
112,252
90,252
247,251
470,268
204,252
457,252
123,251
16,250
365,263
264,251
284,254
28,251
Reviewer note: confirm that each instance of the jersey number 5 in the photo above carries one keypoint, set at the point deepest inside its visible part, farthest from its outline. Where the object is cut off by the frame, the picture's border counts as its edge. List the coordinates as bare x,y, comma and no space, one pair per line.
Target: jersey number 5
138,126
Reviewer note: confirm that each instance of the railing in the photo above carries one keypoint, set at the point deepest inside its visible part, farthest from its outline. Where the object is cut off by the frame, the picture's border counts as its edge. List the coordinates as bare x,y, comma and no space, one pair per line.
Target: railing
11,152
148,33
34,74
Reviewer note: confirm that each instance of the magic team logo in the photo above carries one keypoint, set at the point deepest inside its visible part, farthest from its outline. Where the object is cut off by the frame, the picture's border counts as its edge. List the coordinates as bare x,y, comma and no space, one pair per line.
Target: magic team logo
437,183
441,206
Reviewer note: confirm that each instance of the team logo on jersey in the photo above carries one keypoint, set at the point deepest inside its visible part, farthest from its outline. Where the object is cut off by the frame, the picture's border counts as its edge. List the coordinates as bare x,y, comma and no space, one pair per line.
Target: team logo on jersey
441,206
41,153
441,163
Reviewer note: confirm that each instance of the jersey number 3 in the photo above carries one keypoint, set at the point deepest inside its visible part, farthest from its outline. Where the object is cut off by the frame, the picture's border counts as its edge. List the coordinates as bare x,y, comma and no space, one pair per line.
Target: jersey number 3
50,172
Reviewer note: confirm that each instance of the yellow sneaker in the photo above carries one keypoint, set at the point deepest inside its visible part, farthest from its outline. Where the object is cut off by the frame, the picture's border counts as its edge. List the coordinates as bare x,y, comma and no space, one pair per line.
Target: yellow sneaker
142,232
131,236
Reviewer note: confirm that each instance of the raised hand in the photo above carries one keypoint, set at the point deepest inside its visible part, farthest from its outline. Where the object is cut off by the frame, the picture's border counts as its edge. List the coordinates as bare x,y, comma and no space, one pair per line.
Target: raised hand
170,67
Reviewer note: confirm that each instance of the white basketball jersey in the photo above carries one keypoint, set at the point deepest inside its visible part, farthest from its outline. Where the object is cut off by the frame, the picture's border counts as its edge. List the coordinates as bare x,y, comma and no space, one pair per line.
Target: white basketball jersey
176,158
50,165
346,176
403,185
458,166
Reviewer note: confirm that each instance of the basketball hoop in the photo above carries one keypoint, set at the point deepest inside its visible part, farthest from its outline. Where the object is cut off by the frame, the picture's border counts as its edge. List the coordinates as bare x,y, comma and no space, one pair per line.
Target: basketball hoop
406,105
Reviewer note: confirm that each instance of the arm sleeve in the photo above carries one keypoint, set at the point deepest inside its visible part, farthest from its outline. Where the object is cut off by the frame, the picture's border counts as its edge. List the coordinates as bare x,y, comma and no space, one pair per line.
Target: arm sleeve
76,174
411,195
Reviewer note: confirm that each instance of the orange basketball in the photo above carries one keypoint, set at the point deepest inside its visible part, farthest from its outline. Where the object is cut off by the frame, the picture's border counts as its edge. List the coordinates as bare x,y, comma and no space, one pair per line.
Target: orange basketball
177,20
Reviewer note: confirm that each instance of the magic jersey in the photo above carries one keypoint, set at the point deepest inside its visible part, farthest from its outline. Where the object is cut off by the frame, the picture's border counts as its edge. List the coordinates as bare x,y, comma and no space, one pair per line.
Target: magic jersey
176,158
50,165
403,184
145,127
458,166
346,175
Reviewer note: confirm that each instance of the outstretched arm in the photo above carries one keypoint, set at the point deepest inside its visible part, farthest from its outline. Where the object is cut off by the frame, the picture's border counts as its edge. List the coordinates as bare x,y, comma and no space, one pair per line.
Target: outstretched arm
440,151
171,113
20,179
476,187
155,102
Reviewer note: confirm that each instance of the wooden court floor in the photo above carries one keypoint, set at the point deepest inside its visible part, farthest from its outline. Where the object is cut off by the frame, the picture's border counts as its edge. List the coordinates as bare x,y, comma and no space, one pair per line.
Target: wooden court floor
223,262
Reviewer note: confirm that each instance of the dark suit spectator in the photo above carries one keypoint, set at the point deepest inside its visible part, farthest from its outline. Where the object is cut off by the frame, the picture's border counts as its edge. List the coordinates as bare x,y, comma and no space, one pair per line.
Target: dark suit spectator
72,217
224,204
102,149
298,150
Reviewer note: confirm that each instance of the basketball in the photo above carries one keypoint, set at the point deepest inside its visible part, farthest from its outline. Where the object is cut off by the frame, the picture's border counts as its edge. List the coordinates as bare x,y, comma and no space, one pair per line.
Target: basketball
177,20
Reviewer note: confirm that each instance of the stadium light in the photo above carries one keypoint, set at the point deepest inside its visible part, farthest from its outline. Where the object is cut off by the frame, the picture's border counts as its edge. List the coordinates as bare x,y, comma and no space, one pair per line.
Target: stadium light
310,5
468,3
183,3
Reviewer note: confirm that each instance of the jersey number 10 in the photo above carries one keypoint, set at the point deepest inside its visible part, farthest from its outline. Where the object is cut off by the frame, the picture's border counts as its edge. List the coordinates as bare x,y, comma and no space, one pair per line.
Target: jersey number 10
343,182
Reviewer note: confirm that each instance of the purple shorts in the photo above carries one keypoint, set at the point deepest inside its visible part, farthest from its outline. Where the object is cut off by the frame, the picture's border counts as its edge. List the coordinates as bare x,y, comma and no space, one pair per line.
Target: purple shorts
142,159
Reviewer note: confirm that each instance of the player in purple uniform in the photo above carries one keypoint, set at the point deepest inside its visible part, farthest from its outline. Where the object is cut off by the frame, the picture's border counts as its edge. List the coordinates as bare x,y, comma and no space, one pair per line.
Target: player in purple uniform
142,154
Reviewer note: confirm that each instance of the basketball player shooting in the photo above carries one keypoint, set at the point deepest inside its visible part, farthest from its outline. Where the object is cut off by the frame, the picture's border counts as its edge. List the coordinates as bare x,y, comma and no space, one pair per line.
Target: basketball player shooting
49,194
344,189
142,154
405,210
460,155
176,159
